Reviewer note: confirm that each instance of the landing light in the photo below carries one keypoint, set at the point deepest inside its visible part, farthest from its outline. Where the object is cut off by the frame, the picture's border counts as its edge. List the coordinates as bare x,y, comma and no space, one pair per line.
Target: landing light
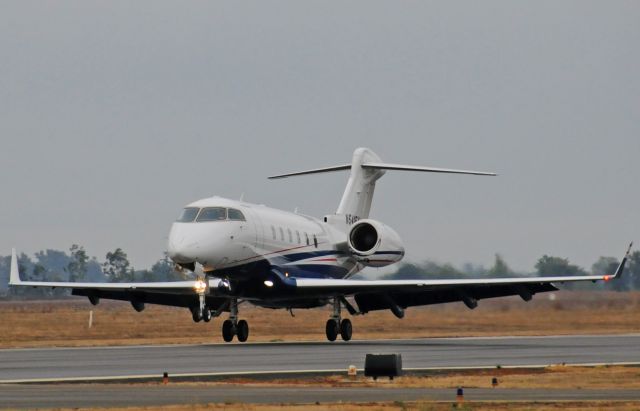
606,277
200,286
268,283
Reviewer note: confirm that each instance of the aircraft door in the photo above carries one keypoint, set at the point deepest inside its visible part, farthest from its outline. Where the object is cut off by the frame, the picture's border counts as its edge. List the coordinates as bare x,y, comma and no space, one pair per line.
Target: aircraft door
258,229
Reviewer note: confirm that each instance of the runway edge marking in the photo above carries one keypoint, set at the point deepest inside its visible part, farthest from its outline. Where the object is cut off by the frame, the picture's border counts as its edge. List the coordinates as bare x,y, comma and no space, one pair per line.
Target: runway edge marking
146,377
307,342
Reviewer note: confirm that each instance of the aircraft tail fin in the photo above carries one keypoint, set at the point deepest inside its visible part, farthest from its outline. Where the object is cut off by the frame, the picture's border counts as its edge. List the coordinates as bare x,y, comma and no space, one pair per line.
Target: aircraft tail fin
366,168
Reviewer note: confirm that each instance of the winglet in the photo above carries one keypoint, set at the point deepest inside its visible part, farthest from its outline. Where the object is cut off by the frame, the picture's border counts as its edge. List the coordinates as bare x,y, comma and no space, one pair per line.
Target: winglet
14,276
620,268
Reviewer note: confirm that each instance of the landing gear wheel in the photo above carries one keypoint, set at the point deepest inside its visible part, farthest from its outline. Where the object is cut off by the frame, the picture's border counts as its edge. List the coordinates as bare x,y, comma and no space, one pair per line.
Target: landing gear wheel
206,315
346,329
227,330
242,330
196,315
332,329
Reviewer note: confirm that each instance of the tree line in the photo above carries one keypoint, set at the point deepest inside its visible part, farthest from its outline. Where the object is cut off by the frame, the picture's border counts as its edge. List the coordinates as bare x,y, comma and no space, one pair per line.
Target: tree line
76,265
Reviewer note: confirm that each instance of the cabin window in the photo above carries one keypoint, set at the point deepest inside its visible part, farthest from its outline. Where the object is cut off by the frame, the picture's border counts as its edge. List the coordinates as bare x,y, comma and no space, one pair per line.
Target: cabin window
315,241
188,215
273,232
235,215
212,214
281,234
307,237
290,236
298,236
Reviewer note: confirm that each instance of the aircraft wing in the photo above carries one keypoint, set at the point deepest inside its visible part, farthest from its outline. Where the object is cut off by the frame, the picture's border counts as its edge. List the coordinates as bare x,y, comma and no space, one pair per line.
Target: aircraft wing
172,293
399,294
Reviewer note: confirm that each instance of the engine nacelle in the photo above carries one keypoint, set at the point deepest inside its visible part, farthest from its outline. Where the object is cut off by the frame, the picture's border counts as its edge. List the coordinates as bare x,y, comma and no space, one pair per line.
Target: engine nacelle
375,244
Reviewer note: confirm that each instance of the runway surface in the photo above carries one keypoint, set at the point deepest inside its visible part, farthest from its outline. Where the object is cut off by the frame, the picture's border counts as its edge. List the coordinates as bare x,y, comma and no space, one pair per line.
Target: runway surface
88,363
112,395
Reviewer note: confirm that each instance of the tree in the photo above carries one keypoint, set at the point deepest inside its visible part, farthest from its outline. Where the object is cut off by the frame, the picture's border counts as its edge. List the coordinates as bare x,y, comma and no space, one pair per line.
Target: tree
116,267
632,270
55,262
165,270
428,269
548,266
77,267
38,274
500,268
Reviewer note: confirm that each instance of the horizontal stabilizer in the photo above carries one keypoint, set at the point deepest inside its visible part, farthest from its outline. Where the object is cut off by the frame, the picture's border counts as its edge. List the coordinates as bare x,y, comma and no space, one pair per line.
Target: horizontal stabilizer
388,166
384,166
314,171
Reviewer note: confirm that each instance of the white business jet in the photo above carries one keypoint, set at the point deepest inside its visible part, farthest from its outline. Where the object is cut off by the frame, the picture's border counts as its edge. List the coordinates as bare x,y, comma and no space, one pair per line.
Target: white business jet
242,252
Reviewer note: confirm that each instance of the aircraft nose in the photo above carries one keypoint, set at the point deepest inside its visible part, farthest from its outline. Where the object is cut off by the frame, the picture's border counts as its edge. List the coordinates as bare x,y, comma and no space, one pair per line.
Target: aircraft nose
181,248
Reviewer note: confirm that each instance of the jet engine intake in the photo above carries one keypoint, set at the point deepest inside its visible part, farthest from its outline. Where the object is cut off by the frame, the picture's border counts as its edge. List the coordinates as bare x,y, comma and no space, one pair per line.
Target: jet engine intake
375,244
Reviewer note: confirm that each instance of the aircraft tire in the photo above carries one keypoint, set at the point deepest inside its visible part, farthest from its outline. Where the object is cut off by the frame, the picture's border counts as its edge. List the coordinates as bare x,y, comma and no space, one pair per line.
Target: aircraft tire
206,315
242,330
332,329
196,315
346,329
227,330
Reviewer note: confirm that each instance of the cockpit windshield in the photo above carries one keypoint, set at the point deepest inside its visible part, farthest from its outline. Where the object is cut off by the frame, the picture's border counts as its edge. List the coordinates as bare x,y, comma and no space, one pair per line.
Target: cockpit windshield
235,215
188,215
212,214
191,214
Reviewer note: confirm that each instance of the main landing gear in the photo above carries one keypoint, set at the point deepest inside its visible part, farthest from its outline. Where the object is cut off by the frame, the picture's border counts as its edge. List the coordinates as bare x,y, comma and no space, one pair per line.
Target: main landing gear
336,325
233,327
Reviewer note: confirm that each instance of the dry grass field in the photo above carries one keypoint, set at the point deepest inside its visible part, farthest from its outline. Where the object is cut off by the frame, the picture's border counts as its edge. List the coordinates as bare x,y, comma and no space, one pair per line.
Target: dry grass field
552,377
408,406
65,323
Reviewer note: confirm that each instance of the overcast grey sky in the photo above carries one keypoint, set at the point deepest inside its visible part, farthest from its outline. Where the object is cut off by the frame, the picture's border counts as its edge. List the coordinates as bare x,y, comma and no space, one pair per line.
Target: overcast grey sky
113,115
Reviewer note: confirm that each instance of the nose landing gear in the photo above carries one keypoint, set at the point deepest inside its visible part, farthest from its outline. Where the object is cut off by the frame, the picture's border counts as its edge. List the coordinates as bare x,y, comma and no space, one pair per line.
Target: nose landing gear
233,327
201,314
336,325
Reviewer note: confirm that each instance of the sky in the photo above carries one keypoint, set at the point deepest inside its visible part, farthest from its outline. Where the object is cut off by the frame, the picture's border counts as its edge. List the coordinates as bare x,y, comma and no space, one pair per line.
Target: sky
115,114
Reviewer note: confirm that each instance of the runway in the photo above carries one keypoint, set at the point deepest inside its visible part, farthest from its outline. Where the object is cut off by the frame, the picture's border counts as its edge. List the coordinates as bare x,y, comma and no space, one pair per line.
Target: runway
116,395
84,364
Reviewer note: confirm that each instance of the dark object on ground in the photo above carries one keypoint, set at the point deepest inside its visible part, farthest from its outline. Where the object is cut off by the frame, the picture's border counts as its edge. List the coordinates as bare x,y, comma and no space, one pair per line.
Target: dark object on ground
383,365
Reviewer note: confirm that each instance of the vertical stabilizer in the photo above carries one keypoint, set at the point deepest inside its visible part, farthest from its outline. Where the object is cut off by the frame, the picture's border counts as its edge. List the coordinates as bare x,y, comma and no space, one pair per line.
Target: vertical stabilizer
366,168
356,200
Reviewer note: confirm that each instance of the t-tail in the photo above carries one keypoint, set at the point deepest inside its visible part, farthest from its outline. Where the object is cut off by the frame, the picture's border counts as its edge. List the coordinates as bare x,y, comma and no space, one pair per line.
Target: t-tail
366,168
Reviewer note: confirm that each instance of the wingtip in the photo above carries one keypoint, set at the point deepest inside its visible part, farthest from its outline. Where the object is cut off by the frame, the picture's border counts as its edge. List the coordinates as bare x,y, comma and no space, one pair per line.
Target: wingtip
620,268
14,275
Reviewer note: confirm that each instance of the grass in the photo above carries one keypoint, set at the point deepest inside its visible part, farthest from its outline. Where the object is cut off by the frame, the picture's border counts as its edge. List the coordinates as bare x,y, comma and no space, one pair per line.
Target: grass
551,377
410,406
64,323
